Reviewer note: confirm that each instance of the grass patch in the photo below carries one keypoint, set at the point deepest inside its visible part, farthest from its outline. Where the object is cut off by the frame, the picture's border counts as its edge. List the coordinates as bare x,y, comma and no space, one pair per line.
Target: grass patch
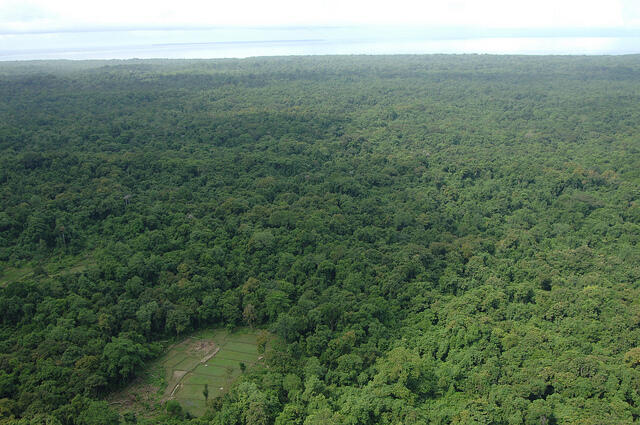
172,361
56,266
242,347
212,370
13,274
238,356
249,339
201,379
230,363
187,363
192,405
210,356
193,392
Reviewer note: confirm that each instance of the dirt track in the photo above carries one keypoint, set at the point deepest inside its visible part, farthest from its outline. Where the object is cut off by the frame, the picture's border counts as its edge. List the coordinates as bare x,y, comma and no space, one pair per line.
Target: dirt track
179,375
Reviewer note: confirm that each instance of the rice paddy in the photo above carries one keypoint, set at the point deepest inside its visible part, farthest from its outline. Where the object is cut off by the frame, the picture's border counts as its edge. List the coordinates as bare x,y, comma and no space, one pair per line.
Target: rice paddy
210,357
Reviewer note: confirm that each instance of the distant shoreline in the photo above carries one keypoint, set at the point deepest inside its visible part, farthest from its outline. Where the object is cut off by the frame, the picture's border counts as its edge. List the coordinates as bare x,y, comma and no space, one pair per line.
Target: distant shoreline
242,46
237,42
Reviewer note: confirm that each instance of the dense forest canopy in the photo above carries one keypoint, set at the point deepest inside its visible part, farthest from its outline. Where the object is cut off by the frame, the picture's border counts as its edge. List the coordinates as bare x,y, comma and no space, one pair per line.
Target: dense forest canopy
432,239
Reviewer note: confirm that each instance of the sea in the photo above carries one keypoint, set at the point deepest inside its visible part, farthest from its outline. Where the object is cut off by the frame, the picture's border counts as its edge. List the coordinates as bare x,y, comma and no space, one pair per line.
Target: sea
234,42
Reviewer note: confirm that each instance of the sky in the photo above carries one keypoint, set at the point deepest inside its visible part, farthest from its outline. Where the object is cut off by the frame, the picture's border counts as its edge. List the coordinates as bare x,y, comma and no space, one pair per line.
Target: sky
69,15
33,24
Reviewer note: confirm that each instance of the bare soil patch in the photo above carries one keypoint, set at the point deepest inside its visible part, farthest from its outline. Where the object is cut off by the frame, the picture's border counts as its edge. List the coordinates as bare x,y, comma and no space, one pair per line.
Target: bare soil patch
139,397
201,346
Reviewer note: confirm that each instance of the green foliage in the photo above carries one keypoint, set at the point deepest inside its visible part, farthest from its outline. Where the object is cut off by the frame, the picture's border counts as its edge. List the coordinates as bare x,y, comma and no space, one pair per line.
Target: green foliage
432,239
122,357
174,409
98,413
205,392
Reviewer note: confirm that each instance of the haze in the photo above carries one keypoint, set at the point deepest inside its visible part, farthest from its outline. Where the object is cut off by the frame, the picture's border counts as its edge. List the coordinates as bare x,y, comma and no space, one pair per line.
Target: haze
27,27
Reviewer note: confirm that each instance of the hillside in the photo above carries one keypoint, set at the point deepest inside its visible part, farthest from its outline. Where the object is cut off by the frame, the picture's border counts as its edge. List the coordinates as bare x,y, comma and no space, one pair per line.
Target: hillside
431,239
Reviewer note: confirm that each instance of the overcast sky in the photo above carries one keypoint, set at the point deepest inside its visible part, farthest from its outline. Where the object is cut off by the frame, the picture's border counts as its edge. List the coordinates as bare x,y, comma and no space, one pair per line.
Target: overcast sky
121,29
71,15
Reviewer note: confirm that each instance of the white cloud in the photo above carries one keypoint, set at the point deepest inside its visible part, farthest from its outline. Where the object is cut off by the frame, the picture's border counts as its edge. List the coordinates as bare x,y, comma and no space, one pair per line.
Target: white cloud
43,15
631,12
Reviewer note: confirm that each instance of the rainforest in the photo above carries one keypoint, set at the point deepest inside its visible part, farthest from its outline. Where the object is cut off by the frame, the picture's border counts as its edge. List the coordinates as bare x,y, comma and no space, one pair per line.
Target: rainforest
431,239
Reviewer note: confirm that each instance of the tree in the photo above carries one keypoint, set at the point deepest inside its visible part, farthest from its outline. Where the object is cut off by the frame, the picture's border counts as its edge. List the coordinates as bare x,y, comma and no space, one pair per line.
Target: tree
146,315
540,413
130,418
174,409
98,413
249,315
276,302
262,339
122,357
178,320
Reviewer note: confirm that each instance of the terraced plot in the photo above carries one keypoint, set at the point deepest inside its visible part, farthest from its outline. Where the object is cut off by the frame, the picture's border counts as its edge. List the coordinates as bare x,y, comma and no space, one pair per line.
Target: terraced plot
210,357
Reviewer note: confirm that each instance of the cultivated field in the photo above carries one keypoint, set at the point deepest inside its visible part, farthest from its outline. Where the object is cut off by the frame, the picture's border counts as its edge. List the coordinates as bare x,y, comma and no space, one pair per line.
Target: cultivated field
210,357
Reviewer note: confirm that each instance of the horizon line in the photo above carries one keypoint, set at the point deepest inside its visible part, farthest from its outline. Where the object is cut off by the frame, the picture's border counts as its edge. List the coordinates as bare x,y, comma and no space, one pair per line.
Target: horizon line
436,30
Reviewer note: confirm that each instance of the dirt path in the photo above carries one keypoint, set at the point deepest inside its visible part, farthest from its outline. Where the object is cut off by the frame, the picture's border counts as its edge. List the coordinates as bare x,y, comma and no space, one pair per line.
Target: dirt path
207,358
180,374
